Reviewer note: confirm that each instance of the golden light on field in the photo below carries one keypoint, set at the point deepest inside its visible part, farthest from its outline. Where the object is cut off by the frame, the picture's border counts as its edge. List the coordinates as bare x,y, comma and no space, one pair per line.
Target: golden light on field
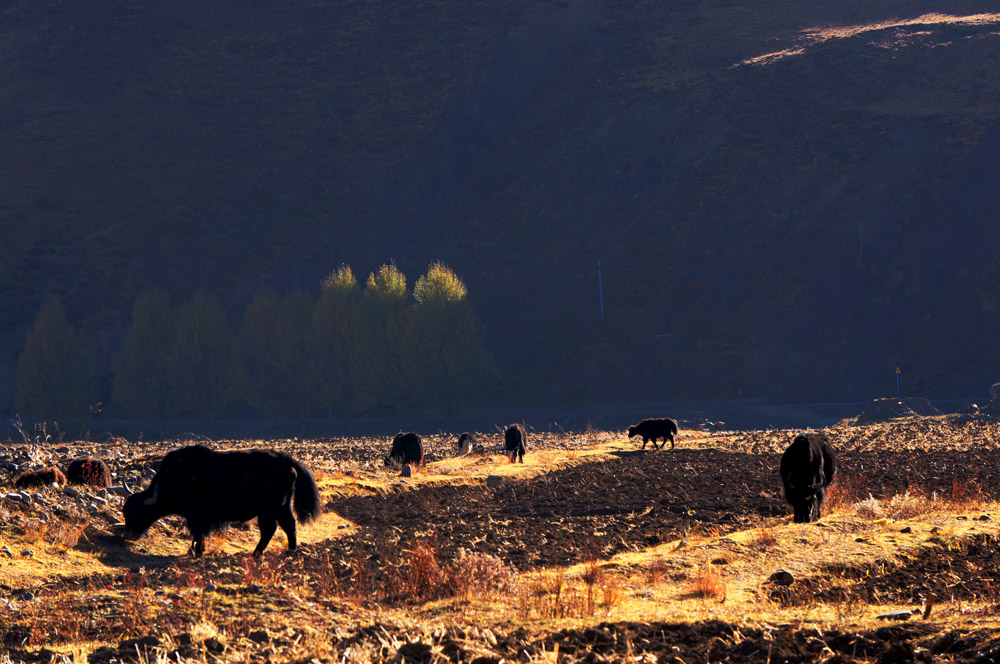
813,36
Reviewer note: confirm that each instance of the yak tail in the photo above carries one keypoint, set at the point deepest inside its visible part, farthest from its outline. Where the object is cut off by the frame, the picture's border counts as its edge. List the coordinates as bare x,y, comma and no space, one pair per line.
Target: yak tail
307,501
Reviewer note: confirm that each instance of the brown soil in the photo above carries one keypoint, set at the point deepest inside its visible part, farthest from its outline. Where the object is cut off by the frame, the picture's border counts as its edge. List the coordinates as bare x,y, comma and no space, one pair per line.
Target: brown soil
967,570
634,501
589,511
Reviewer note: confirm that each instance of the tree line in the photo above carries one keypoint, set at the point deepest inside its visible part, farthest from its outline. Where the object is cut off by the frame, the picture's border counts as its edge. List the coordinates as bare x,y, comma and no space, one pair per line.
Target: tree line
354,349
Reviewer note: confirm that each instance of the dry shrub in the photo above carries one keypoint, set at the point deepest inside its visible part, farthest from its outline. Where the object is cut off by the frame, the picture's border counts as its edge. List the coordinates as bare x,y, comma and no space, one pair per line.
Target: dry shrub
900,506
845,492
548,595
657,571
138,613
424,577
35,531
708,583
260,571
419,575
60,535
762,537
481,575
611,591
966,493
65,536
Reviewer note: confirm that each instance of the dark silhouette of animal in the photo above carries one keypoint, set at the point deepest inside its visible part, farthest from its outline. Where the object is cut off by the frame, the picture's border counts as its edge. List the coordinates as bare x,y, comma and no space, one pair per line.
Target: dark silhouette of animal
808,467
465,443
515,442
40,477
406,449
653,428
90,471
210,489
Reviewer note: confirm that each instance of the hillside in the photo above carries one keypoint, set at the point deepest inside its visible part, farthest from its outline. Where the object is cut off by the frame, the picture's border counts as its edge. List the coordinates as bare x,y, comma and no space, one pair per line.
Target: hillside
799,224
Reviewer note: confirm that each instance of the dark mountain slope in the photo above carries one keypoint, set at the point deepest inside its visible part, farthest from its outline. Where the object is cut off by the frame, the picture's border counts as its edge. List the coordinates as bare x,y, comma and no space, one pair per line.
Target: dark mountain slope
799,226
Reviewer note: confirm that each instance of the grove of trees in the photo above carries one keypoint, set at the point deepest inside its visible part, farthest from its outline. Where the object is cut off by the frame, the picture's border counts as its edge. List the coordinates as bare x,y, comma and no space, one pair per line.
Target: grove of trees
374,349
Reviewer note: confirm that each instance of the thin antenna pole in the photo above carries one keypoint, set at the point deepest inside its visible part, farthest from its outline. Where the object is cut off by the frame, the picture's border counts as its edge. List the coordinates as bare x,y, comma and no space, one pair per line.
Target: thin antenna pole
600,288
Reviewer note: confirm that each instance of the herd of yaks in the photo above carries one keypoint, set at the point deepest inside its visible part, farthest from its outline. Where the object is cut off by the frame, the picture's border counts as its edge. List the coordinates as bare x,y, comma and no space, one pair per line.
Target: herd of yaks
209,488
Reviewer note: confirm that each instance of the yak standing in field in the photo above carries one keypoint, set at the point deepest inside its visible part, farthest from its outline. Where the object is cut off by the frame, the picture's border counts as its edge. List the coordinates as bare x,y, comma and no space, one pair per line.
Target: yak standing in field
465,444
515,442
40,477
210,489
808,467
90,471
407,448
653,428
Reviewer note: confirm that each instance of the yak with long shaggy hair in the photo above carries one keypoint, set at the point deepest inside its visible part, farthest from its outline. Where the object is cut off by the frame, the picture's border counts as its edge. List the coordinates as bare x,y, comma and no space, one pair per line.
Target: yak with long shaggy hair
515,442
653,428
210,489
407,448
808,467
89,471
40,477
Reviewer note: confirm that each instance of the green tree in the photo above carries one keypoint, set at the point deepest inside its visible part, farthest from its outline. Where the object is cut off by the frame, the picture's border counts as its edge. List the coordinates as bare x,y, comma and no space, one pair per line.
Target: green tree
53,380
139,380
256,368
199,363
382,320
336,364
447,366
293,350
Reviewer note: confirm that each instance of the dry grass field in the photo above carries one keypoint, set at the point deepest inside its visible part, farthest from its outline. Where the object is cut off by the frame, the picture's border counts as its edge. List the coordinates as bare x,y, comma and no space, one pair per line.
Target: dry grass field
591,551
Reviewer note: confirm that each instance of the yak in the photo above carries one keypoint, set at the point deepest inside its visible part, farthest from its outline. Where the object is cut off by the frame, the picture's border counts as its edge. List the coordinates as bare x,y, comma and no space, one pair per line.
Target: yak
210,488
465,443
808,467
406,448
90,471
653,428
515,442
40,477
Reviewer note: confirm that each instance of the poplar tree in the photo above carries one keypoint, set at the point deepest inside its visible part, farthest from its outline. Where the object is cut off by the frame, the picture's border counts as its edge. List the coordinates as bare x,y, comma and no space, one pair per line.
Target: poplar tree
293,354
382,322
199,363
53,380
447,365
139,380
256,368
336,364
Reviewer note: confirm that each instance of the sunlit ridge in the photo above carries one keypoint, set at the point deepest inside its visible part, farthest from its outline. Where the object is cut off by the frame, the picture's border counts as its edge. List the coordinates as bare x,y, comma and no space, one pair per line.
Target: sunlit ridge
812,36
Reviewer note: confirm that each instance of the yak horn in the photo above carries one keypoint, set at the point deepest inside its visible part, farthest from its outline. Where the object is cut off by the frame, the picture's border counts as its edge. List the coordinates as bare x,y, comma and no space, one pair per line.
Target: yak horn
152,499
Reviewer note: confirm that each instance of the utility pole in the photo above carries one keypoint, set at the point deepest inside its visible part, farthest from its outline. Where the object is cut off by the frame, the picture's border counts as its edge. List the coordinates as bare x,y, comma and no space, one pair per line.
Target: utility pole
600,288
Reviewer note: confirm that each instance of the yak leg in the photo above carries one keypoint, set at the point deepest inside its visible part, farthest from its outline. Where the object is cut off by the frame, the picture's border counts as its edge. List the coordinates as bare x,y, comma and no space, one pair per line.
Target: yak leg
267,525
287,522
644,441
198,532
671,441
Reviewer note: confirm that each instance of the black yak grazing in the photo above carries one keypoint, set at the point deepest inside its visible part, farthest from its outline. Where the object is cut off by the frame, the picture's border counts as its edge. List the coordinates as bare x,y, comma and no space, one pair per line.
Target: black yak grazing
653,428
808,467
406,448
465,443
40,477
210,489
90,471
515,442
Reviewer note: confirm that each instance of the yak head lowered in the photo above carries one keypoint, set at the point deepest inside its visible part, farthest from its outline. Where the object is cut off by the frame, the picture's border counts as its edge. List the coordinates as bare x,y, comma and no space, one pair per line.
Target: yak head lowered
142,509
806,499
